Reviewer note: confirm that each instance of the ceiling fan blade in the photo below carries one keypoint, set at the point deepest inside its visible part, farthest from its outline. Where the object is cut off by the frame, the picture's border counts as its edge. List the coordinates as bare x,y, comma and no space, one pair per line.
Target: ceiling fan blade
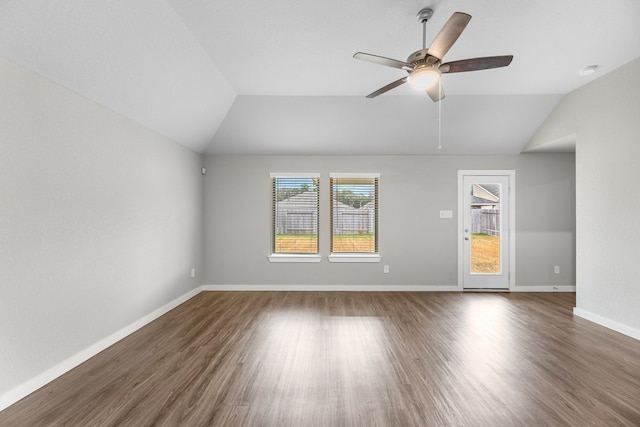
435,92
449,34
388,87
474,64
381,60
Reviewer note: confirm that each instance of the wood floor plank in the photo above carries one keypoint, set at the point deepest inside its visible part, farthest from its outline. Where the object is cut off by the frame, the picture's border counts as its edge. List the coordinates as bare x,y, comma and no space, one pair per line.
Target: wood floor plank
353,359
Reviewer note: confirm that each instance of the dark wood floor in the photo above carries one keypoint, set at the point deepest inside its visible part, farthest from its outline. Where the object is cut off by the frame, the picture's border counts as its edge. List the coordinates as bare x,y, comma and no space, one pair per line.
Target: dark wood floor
353,359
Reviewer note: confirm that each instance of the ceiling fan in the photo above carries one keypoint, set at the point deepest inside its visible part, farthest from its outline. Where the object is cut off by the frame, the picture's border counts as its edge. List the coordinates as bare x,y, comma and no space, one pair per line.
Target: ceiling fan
425,66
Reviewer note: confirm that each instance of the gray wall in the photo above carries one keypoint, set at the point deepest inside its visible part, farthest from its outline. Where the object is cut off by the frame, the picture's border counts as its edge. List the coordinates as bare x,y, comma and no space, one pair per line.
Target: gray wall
100,224
604,116
420,248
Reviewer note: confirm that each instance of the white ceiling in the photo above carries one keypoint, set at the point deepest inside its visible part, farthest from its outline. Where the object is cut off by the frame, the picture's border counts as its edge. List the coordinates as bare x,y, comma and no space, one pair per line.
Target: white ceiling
277,77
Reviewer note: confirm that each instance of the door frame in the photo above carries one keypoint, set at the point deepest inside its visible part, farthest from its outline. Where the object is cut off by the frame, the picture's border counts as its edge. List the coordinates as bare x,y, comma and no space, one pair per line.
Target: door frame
511,226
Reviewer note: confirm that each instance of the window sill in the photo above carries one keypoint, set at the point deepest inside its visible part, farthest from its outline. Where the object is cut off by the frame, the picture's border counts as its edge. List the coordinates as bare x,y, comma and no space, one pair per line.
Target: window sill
294,258
354,258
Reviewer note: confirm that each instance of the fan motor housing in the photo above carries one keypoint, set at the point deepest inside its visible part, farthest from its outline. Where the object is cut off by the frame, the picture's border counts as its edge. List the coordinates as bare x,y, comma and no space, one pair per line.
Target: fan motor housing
420,57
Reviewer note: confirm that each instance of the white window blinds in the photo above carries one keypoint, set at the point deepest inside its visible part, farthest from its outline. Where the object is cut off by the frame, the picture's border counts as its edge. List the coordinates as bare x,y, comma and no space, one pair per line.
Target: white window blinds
354,213
295,213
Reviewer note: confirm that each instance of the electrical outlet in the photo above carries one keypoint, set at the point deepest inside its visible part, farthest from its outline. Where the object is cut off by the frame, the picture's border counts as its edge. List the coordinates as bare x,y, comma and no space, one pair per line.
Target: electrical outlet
193,272
556,269
386,269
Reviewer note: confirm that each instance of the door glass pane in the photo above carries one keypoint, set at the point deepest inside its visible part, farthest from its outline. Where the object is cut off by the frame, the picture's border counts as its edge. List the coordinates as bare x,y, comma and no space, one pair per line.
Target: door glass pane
485,228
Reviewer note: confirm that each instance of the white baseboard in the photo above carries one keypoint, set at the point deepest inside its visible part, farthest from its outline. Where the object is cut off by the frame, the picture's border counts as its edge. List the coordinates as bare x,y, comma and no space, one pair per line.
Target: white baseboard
607,323
12,396
372,288
333,288
543,289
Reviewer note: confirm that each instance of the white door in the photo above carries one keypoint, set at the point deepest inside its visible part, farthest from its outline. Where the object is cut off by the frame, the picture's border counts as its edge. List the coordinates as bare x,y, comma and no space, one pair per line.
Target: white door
485,229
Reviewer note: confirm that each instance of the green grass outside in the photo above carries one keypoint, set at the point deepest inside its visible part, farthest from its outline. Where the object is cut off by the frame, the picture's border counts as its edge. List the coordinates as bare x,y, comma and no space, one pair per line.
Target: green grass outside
354,243
308,243
485,253
296,243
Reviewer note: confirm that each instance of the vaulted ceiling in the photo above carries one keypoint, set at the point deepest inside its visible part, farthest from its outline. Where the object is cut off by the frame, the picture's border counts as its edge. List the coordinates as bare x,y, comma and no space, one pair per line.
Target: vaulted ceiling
278,77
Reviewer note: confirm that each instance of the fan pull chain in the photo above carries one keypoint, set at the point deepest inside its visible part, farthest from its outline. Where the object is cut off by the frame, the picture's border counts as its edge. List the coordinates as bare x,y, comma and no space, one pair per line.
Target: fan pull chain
440,115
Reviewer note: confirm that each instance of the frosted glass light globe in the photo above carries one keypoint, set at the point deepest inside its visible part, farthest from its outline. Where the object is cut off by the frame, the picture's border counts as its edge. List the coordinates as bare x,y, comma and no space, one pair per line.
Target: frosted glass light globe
424,77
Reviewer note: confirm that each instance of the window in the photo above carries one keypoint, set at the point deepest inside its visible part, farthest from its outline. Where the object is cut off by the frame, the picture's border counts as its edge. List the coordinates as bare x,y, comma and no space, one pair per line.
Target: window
354,214
294,217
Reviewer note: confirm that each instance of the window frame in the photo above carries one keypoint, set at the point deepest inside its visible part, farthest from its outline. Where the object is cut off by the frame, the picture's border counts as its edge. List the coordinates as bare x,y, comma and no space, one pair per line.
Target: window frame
292,257
355,256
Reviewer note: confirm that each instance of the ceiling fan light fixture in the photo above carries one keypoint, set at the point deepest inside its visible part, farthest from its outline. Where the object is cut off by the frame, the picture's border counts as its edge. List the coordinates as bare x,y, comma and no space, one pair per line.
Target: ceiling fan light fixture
425,66
424,77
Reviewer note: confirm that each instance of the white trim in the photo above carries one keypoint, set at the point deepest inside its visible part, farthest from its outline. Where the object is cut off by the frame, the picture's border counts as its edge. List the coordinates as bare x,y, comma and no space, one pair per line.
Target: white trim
330,288
294,258
293,175
353,175
543,289
344,257
511,174
607,323
12,396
